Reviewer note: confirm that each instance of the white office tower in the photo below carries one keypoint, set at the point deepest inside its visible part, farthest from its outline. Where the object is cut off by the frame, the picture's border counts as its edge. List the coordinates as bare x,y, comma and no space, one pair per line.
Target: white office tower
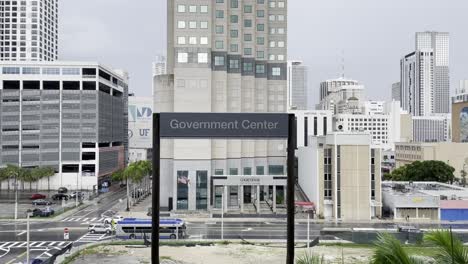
159,66
432,128
425,83
29,30
223,56
297,86
330,86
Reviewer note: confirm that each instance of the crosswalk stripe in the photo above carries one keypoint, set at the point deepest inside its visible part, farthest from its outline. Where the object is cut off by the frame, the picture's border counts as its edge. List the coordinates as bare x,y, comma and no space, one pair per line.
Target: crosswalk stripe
92,220
24,244
40,244
61,243
33,244
52,243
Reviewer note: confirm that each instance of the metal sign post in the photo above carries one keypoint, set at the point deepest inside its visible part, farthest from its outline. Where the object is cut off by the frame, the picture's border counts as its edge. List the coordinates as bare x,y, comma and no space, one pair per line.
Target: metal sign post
226,126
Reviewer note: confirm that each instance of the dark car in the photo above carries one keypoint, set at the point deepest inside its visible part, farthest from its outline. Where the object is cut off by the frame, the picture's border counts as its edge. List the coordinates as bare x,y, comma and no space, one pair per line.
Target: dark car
60,196
37,196
62,190
43,212
41,202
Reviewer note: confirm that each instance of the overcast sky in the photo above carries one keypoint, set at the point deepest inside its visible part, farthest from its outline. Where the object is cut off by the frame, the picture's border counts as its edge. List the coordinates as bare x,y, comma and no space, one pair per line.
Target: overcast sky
374,35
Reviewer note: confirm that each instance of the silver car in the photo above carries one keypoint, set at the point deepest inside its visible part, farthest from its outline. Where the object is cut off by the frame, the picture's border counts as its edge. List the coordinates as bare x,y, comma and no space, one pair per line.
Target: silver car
100,228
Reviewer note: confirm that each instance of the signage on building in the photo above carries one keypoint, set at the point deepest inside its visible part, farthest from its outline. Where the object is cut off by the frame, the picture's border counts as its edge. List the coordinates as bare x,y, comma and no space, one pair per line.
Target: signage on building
140,122
224,125
249,180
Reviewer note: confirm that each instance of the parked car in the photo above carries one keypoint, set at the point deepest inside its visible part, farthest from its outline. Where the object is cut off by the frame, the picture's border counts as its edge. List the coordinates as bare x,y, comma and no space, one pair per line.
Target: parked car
36,196
116,218
41,202
409,229
60,196
62,190
100,228
43,212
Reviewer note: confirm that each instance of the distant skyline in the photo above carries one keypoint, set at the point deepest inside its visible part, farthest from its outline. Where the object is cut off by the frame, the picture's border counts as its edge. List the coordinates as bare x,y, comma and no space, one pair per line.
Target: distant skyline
374,35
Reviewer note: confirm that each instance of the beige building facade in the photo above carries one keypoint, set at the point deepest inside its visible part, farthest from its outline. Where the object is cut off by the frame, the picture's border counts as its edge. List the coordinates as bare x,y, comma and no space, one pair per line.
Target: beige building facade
453,153
340,174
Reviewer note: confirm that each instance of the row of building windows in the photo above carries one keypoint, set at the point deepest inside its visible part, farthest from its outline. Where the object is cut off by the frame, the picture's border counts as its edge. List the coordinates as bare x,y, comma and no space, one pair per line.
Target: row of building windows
259,170
45,71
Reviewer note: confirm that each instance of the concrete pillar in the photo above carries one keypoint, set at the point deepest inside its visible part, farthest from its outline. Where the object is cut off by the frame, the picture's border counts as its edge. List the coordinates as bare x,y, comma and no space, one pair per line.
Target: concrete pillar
225,198
258,199
241,198
267,192
274,198
417,213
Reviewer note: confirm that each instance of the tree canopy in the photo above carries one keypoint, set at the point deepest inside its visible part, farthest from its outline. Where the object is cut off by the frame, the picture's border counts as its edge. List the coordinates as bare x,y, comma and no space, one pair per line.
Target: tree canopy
428,170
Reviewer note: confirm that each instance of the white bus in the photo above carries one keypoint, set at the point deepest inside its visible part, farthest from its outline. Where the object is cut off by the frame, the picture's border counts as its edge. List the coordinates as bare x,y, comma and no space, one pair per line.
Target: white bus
134,228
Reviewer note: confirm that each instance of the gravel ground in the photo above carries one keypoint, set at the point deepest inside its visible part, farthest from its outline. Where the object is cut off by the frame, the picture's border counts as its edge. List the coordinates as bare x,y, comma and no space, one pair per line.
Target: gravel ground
226,254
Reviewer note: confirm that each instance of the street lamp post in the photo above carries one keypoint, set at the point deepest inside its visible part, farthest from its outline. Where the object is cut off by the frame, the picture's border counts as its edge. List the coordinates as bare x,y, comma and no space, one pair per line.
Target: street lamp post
222,215
76,192
28,214
16,198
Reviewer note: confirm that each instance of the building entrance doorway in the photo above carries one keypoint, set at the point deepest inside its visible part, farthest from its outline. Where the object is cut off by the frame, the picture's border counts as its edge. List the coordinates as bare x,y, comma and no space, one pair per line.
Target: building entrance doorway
247,194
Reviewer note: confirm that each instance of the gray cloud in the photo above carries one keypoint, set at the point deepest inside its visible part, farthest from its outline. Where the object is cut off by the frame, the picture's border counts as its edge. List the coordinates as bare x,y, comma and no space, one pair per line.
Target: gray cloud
373,34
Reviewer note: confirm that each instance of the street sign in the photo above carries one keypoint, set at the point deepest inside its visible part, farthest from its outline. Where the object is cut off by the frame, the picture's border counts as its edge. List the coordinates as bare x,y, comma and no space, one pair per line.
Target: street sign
223,125
66,234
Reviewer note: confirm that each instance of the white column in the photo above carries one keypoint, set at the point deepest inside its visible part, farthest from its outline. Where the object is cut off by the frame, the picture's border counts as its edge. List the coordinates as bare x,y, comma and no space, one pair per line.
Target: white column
258,199
225,199
274,198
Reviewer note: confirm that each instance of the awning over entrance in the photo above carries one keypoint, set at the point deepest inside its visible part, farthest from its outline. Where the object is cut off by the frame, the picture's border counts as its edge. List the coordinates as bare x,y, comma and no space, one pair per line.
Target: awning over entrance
242,180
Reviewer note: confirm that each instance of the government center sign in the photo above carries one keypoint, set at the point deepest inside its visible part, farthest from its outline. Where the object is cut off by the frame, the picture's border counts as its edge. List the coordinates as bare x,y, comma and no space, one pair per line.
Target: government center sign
225,125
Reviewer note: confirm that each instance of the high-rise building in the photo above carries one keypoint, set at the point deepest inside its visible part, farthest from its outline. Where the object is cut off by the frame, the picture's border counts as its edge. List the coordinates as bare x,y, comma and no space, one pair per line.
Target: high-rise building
396,91
297,86
460,113
341,173
424,78
330,86
431,128
342,97
159,66
29,30
223,56
71,116
140,127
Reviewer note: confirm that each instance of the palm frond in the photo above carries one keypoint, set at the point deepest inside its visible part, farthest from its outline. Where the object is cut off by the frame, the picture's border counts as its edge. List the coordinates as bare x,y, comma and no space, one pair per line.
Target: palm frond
457,254
388,250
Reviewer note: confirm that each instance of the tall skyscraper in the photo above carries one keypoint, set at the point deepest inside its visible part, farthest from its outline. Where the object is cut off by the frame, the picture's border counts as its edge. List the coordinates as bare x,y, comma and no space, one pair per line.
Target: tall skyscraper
438,42
223,56
425,83
29,30
396,91
297,86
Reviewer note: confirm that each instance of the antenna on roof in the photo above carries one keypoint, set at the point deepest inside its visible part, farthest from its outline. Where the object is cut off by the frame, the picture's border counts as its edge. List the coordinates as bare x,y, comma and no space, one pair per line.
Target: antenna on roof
342,64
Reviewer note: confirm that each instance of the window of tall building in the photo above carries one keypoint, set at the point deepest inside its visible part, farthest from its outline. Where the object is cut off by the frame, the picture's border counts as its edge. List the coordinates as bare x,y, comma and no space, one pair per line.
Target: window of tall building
219,44
219,14
182,189
260,27
204,40
280,17
192,8
219,1
247,37
193,40
280,57
272,57
203,9
181,8
181,40
203,57
234,64
276,169
260,13
272,4
219,60
234,18
247,171
260,54
180,24
276,71
234,33
248,51
260,1
233,171
219,29
234,3
248,67
280,44
182,57
202,190
192,24
247,8
272,17
260,170
281,4
272,44
247,22
280,30
260,40
260,68
234,48
203,24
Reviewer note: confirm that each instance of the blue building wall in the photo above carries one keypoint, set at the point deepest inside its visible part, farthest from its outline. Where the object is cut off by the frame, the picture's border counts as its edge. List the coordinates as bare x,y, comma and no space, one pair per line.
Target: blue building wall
453,214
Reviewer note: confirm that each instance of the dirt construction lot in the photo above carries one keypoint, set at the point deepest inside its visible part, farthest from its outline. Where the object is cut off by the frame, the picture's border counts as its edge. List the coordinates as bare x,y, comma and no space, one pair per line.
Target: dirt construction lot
226,254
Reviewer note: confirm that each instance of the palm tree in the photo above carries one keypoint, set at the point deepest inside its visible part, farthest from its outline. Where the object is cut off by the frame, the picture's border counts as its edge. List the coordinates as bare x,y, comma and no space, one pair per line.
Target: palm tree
147,168
310,259
450,249
388,250
3,177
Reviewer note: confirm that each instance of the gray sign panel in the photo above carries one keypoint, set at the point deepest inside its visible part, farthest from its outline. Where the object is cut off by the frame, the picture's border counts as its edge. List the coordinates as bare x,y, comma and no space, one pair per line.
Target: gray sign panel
223,125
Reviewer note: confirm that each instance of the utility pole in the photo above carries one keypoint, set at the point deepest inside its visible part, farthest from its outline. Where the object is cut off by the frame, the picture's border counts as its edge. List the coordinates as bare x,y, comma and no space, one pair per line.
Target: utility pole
222,215
27,235
16,198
